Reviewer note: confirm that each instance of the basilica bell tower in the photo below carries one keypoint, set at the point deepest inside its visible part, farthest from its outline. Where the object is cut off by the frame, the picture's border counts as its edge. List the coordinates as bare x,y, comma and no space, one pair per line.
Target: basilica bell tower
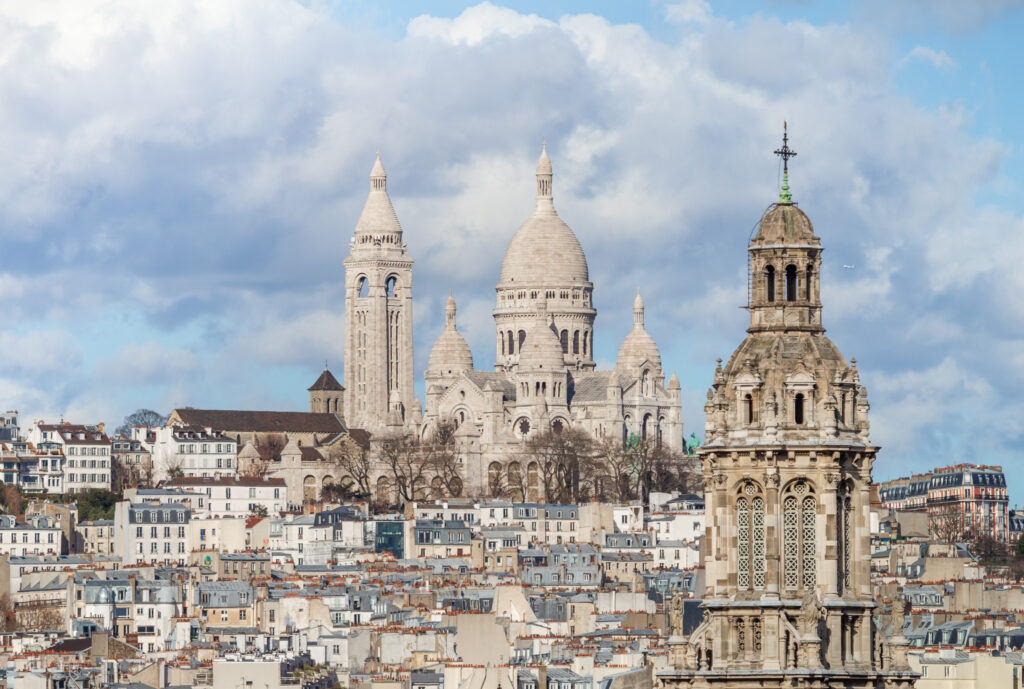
378,315
787,477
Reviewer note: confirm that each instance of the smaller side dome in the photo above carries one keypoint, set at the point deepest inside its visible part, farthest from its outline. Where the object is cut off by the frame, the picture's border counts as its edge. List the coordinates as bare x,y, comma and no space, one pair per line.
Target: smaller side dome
450,353
542,349
638,346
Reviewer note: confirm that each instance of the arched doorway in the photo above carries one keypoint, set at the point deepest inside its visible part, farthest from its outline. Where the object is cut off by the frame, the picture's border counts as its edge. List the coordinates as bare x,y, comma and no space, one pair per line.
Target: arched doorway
309,489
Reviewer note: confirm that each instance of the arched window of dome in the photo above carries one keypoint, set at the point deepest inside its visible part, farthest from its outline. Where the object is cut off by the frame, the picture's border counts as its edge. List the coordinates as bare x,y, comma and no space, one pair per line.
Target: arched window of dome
799,537
791,282
844,513
576,342
798,409
750,549
748,408
511,343
501,339
543,388
564,337
769,283
522,339
390,285
807,282
645,383
362,288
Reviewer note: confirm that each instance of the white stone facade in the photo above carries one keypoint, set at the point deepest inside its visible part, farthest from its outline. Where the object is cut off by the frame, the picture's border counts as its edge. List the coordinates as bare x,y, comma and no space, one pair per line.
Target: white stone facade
544,373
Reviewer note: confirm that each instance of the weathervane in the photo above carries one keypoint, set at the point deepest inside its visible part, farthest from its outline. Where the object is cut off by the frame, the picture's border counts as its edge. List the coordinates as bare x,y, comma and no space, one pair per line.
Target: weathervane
785,153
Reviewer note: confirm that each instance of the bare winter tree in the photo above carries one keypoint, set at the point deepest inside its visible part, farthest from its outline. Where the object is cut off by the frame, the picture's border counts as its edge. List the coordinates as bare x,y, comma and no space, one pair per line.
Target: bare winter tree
442,458
8,621
562,456
354,461
406,465
946,523
39,616
269,447
12,501
140,417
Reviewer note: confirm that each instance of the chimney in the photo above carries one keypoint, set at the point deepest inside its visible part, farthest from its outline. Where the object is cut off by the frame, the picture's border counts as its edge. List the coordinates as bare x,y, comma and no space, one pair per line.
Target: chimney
542,677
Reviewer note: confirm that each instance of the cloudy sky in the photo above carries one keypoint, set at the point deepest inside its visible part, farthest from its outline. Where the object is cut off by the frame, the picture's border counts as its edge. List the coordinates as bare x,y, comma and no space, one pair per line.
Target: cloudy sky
179,182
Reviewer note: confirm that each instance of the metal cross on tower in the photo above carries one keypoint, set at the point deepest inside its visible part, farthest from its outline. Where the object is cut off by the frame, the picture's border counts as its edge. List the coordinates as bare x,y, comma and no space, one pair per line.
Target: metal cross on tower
785,153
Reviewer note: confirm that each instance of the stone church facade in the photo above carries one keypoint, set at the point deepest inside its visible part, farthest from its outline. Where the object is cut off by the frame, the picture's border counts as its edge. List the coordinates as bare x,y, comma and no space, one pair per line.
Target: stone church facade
544,374
787,471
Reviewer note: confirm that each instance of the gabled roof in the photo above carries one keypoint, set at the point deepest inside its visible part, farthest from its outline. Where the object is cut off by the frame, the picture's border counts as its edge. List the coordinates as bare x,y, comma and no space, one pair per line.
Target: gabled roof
261,421
326,381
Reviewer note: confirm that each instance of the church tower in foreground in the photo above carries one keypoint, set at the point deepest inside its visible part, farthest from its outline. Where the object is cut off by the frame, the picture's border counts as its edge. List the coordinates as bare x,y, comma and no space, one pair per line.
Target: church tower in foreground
787,475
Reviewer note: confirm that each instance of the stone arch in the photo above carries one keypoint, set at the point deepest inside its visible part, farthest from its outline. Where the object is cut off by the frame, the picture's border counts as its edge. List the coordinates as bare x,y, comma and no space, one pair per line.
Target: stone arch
419,488
348,484
391,286
310,491
791,283
495,480
328,480
436,488
576,342
769,283
383,491
362,287
799,535
455,487
533,481
750,535
564,339
514,481
646,427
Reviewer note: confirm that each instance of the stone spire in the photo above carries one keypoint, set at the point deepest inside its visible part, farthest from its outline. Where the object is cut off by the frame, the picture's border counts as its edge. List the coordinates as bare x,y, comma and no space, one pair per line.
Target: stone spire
378,224
544,174
449,312
378,177
638,311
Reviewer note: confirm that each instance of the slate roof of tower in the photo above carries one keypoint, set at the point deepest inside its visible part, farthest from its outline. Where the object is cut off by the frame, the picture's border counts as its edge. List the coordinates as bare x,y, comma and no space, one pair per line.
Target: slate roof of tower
326,381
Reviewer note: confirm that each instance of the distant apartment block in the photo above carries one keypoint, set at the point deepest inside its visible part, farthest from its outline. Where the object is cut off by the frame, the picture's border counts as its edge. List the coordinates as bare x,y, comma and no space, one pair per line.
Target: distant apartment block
972,495
85,448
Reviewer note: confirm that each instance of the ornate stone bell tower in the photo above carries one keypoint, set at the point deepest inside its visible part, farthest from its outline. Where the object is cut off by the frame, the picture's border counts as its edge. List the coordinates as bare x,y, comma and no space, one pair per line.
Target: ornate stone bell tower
787,475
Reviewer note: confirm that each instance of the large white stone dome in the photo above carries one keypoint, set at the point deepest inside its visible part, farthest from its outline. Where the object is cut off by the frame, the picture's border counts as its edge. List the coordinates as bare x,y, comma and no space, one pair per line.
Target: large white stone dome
544,251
